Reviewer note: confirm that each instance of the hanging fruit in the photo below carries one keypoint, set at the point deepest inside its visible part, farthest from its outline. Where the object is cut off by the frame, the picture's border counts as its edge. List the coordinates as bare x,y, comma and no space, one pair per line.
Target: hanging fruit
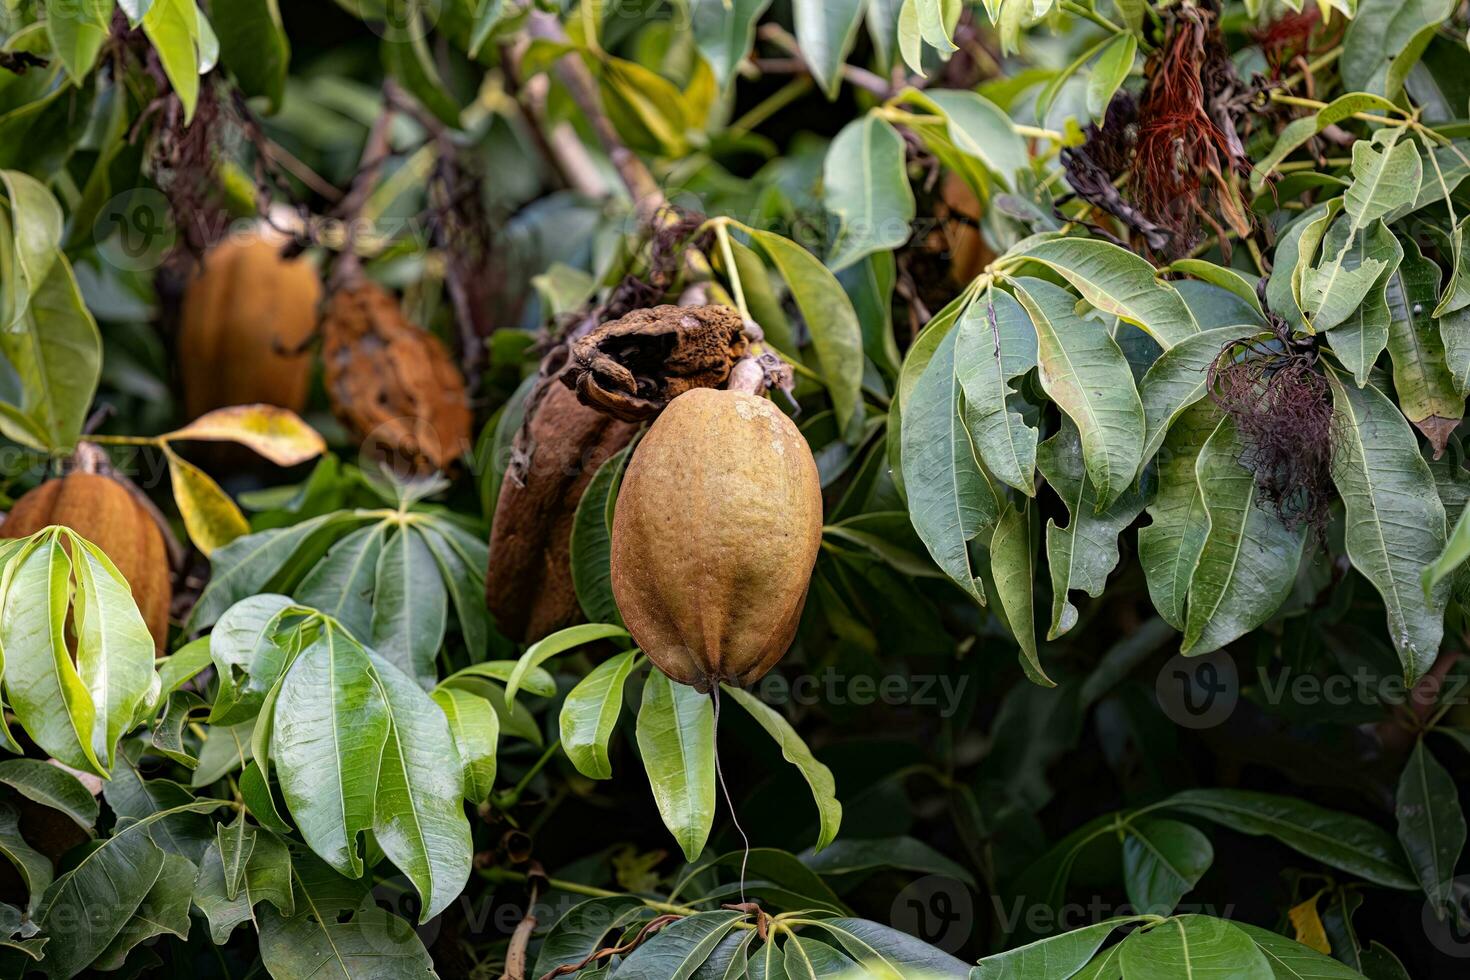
106,513
391,383
715,534
246,320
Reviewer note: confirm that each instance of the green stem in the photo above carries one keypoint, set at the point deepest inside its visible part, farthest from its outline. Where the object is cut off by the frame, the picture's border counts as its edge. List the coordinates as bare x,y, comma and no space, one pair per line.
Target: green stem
508,800
105,440
1087,13
722,234
772,104
498,875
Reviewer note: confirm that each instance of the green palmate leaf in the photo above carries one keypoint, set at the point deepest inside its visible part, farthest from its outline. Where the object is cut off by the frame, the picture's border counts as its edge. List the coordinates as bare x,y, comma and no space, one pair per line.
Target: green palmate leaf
887,953
1178,379
825,30
920,353
978,129
476,730
418,819
590,712
680,948
97,898
1338,840
1194,946
1395,523
1118,282
50,340
253,47
724,33
818,777
53,787
1249,557
409,605
1385,40
808,959
1360,336
865,185
235,842
557,643
248,564
1056,956
579,931
1385,178
33,867
1431,825
266,878
463,571
1013,569
1338,287
835,331
330,727
1107,75
173,27
49,696
114,650
1170,547
950,499
1082,554
1298,131
591,542
1421,377
995,343
77,31
676,737
1162,861
1281,295
163,911
341,584
1085,373
341,941
1291,960
249,654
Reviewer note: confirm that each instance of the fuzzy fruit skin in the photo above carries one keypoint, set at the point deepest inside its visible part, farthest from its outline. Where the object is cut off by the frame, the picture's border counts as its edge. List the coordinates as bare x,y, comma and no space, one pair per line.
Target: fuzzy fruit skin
716,530
245,318
104,512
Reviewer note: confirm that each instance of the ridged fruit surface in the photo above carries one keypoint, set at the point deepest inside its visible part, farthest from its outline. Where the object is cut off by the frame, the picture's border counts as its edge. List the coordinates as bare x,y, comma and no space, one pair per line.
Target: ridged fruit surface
715,533
391,382
246,317
104,512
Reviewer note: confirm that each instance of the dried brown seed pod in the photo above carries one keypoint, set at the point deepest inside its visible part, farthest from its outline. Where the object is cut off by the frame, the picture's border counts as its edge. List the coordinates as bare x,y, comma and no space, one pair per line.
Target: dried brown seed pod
105,512
715,534
391,381
633,366
528,586
246,318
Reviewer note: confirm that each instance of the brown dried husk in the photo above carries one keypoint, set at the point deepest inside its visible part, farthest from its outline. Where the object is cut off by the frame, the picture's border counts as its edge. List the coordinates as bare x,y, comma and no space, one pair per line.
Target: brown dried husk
715,534
245,323
959,212
391,383
528,586
632,367
105,512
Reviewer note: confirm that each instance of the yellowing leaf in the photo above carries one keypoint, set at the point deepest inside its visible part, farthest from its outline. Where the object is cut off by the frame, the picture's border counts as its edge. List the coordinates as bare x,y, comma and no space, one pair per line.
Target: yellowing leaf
1308,925
278,434
210,516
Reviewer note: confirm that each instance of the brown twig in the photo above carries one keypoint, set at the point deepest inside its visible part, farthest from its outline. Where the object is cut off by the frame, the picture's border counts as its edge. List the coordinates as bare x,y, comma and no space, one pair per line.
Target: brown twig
653,926
648,198
520,939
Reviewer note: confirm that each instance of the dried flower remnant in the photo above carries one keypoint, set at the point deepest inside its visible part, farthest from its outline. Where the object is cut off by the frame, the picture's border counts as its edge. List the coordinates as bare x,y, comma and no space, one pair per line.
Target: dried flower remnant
1281,406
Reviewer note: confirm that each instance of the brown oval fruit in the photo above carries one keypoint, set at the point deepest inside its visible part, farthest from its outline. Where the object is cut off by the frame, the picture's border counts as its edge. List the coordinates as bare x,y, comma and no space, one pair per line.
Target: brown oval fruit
715,533
391,381
104,512
245,321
